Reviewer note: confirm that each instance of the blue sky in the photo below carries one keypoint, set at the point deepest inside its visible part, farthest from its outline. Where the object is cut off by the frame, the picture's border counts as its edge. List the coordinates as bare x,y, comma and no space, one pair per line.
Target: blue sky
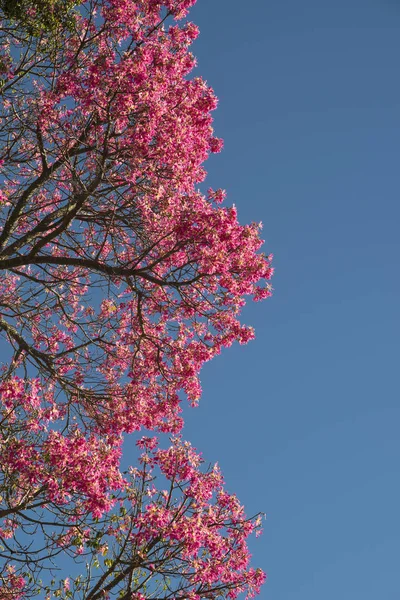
305,420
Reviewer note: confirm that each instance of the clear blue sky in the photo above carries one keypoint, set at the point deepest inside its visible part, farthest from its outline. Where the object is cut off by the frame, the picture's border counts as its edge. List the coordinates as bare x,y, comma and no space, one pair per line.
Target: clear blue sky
305,420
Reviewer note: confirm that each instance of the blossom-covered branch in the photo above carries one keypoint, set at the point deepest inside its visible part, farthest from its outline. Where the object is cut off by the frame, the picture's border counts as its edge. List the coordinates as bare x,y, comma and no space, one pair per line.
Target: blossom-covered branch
183,539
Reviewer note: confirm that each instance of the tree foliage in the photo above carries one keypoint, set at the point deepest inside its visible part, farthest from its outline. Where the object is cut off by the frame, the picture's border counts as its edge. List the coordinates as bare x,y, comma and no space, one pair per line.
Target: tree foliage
39,16
119,280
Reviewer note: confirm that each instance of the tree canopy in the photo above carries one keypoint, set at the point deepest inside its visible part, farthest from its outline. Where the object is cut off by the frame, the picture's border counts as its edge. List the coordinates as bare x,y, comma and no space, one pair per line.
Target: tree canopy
39,16
119,280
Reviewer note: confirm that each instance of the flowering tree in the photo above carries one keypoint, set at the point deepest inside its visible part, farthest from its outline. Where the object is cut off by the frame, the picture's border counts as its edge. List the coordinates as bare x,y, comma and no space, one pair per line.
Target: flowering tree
185,539
119,280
